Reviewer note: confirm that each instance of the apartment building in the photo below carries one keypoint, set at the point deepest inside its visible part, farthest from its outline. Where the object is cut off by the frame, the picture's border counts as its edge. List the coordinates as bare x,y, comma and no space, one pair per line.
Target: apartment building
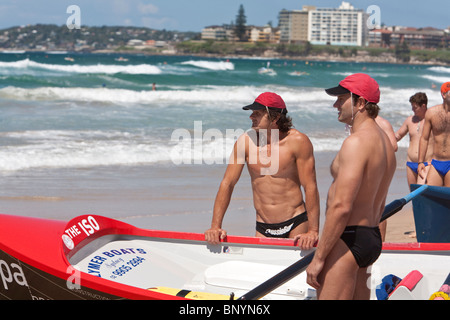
424,38
214,33
293,25
264,34
345,26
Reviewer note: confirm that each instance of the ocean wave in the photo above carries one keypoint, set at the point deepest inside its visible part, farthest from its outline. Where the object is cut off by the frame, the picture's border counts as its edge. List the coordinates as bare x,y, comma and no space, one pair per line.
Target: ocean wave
210,65
314,100
28,64
439,69
74,149
436,79
207,96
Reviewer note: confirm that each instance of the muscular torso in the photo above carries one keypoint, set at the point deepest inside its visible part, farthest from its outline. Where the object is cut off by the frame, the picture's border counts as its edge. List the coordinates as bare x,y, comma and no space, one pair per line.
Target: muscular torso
277,196
440,123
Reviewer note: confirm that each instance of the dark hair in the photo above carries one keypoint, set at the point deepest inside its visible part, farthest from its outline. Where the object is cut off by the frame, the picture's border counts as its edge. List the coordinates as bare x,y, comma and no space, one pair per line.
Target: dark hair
284,123
420,98
371,108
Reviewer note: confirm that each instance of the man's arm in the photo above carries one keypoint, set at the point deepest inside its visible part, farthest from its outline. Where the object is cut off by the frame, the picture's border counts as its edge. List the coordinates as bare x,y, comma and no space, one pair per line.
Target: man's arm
307,176
402,131
223,197
423,144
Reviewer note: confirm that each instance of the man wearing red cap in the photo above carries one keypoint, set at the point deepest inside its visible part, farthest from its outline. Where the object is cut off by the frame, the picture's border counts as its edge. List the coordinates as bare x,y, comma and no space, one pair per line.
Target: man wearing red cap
437,121
362,171
277,179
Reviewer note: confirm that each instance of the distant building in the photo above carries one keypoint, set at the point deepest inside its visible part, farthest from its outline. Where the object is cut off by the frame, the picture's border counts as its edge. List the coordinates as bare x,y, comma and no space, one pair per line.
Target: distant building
135,42
293,25
424,38
264,34
214,33
345,26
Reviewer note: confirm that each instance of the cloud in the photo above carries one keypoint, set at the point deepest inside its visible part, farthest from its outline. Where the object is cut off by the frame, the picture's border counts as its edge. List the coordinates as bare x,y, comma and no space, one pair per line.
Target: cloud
147,8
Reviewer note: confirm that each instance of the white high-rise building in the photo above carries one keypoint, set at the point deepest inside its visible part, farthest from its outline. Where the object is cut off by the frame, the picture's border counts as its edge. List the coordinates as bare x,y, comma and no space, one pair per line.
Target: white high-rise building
345,26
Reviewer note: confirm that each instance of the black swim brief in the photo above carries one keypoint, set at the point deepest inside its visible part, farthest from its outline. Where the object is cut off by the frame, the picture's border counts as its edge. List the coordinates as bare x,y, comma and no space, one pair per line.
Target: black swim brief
281,230
364,243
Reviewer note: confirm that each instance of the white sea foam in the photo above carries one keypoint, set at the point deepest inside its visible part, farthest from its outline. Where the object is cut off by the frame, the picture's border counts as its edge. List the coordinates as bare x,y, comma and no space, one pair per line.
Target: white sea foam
75,149
28,64
207,96
437,79
210,65
440,69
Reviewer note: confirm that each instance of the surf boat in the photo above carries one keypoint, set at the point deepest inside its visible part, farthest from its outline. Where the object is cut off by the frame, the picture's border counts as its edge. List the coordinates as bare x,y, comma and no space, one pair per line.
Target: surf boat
95,257
432,214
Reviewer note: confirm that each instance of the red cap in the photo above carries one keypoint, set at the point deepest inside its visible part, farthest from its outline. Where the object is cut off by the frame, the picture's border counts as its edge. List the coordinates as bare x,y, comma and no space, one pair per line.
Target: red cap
445,87
359,83
270,100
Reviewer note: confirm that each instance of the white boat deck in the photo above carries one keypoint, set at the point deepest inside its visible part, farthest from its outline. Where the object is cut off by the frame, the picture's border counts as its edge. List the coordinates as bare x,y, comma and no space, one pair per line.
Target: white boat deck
238,268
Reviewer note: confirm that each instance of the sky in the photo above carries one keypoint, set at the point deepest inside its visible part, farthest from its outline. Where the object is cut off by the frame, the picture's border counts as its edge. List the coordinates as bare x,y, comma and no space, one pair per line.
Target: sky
194,15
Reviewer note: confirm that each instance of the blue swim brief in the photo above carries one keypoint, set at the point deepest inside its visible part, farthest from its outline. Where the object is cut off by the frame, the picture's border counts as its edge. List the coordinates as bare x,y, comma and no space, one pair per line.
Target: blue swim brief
442,167
414,165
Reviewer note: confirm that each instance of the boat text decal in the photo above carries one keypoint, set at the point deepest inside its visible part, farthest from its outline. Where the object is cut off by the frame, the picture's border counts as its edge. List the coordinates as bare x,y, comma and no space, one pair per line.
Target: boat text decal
115,263
84,227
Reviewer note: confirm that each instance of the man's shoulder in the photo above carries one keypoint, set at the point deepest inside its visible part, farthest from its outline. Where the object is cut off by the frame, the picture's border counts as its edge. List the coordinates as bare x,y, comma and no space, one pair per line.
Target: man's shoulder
294,134
356,140
409,120
433,110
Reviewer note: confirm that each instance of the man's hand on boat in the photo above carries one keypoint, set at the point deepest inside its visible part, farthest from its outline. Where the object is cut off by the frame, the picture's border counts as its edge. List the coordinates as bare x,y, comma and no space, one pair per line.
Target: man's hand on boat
214,235
306,241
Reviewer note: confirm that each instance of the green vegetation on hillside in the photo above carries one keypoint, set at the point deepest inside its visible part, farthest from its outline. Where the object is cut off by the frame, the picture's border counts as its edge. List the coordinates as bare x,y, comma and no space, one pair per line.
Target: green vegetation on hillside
401,54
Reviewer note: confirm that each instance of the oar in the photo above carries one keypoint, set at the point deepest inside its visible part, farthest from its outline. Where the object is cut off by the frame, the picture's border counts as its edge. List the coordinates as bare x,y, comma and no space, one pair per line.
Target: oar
301,265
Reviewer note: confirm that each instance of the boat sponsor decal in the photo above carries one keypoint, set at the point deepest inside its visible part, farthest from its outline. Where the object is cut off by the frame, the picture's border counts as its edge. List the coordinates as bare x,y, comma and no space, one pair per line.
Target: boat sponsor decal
85,227
68,241
11,274
114,263
21,281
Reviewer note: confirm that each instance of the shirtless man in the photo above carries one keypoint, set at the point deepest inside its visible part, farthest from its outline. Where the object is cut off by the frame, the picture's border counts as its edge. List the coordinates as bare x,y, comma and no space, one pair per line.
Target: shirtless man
362,172
414,126
437,122
281,209
387,128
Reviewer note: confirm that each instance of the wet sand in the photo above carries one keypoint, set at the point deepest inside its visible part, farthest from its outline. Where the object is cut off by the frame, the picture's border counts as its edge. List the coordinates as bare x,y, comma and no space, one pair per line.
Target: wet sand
400,227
